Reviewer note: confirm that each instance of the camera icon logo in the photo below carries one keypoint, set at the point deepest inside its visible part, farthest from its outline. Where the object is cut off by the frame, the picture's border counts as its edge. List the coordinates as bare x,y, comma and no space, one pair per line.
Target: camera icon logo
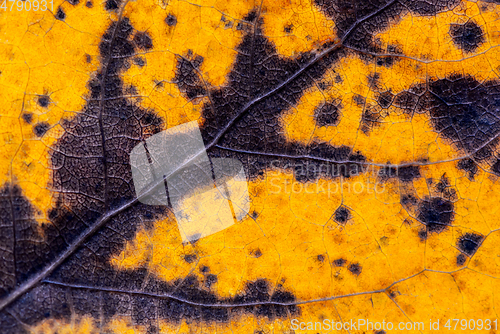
207,195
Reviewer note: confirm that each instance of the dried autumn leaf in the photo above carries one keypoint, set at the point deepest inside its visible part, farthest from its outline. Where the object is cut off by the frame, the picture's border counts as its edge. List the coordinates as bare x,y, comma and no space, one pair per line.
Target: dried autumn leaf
368,131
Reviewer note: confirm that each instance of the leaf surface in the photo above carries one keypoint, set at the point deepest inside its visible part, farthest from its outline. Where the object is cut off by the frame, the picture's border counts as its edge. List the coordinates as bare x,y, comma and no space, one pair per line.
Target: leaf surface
368,131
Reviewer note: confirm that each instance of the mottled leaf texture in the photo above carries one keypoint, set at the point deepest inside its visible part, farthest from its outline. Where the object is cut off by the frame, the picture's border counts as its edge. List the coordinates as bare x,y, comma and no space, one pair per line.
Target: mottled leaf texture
366,131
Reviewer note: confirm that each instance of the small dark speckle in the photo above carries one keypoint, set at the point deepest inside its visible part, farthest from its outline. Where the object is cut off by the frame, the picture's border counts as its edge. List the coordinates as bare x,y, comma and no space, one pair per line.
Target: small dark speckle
355,268
74,2
158,84
469,243
143,41
257,253
88,58
422,234
41,128
339,262
28,117
359,100
468,36
89,4
204,269
111,4
210,279
171,20
139,61
380,332
321,258
461,258
288,28
60,15
43,101
190,258
342,215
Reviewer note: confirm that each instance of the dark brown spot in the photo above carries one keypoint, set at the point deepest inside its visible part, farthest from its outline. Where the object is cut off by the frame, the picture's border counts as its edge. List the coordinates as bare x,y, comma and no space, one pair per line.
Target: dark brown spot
324,85
339,262
461,259
139,61
409,200
143,41
369,120
112,4
469,243
469,166
436,213
359,100
210,279
171,20
385,99
27,117
496,167
60,15
355,268
43,101
327,114
256,253
405,173
462,110
187,77
251,16
468,36
190,258
422,235
342,214
41,128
